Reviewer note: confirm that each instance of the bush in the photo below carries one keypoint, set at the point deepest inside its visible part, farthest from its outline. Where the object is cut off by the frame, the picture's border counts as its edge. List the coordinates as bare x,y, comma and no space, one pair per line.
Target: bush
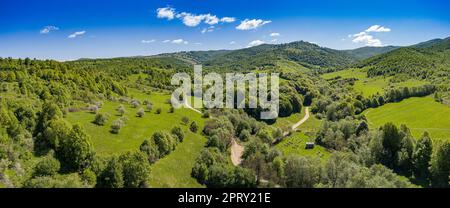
135,103
205,114
101,118
171,110
121,110
151,150
88,177
244,135
140,113
193,127
48,166
117,125
185,120
158,111
165,143
149,107
178,133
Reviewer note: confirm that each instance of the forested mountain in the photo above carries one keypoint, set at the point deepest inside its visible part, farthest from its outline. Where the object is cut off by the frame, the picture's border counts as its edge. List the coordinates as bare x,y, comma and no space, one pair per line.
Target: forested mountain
424,60
367,52
266,56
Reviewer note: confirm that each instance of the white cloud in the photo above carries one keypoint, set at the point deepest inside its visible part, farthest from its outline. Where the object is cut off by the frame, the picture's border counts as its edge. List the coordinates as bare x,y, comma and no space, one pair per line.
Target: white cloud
211,19
378,28
232,42
274,34
166,12
367,39
274,40
197,43
179,41
76,34
252,24
48,29
255,43
166,41
209,29
228,19
148,41
190,19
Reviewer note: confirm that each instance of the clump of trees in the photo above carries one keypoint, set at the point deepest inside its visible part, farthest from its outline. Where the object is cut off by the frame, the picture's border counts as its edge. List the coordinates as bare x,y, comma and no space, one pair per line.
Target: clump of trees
161,144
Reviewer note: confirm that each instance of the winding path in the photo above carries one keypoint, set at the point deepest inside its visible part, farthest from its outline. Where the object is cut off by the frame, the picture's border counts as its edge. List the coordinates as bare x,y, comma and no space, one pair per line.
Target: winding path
237,149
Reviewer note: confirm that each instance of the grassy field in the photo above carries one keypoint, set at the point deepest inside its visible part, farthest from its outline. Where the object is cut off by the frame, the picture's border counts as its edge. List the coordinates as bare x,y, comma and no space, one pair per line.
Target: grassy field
370,86
309,127
295,144
173,170
419,114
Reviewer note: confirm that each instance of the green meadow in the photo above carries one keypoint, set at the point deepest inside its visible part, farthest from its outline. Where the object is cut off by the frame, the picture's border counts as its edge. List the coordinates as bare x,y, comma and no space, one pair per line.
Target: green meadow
171,171
295,144
370,86
419,114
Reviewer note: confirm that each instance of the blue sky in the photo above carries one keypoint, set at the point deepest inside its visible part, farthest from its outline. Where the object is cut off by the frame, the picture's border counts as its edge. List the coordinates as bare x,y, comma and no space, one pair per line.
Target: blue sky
66,30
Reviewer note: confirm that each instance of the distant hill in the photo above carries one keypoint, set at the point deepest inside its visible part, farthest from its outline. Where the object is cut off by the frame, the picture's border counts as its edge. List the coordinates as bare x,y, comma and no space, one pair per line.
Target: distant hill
423,60
367,52
303,53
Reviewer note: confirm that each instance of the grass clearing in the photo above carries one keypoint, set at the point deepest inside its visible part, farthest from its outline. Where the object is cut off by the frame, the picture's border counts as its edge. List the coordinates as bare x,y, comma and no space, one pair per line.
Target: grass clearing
171,171
371,85
419,114
295,144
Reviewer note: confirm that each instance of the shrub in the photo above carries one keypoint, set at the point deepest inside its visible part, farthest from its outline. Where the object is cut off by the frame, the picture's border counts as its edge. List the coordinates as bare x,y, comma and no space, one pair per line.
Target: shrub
121,110
48,166
244,135
171,109
151,150
178,133
158,111
185,120
149,107
117,125
135,103
193,127
101,118
140,112
205,114
165,143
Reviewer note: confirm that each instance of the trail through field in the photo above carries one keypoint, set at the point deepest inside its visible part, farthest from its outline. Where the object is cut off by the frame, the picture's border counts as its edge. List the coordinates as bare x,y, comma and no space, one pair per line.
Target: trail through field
296,125
237,149
190,107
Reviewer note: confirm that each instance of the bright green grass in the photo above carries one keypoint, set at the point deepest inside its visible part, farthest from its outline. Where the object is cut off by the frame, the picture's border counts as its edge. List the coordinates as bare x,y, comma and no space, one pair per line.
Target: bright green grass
285,123
419,114
174,170
295,144
136,129
371,86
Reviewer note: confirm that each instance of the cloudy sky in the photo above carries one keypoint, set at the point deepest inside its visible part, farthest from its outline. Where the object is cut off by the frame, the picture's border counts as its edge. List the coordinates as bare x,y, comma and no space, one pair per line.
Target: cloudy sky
66,30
